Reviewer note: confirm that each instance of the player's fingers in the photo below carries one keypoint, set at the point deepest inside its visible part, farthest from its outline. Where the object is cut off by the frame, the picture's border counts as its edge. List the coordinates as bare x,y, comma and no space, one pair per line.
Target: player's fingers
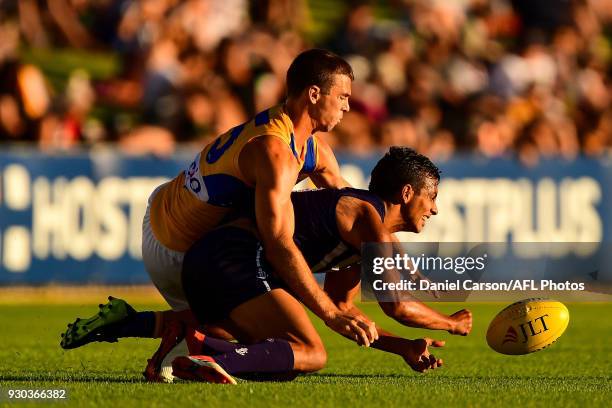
350,333
424,363
362,336
354,334
440,362
369,328
372,332
433,362
418,366
434,343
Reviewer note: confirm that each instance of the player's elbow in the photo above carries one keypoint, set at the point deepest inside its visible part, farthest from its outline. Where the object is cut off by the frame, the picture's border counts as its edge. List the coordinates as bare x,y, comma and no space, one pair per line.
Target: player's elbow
274,241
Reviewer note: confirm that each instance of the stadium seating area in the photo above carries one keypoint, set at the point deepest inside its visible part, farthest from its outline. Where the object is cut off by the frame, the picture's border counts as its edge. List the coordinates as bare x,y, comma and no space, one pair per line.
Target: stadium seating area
530,79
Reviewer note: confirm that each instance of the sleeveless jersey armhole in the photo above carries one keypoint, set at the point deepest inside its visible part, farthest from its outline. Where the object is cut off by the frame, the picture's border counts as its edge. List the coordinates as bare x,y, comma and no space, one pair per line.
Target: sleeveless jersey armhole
317,165
236,158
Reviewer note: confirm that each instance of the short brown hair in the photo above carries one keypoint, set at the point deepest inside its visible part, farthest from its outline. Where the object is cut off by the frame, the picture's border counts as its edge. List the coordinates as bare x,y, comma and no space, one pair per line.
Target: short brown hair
315,67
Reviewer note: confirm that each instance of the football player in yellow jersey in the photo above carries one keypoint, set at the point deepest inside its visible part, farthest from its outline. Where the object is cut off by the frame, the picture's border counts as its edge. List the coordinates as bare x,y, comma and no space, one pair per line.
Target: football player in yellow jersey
255,164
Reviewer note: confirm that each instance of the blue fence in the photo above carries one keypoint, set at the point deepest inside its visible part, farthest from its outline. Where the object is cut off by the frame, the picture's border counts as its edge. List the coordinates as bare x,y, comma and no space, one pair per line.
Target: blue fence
77,217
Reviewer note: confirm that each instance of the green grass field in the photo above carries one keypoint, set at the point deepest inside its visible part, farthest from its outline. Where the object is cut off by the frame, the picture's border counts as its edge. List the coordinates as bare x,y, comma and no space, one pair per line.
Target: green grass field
575,371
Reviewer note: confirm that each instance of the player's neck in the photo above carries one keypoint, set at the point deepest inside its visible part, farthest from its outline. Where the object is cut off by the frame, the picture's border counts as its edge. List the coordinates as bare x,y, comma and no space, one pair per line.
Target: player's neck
302,123
393,217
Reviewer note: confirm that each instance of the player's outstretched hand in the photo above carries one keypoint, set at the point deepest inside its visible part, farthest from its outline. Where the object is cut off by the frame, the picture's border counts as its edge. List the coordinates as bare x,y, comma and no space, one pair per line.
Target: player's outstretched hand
417,355
354,327
463,322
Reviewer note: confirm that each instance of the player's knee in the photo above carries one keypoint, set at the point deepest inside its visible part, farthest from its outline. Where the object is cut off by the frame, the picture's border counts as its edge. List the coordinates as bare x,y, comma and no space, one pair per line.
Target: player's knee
317,355
310,357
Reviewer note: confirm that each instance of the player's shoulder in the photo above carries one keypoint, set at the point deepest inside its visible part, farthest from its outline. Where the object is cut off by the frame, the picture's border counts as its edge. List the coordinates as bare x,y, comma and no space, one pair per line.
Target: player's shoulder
269,132
360,205
267,156
321,144
272,121
359,220
268,145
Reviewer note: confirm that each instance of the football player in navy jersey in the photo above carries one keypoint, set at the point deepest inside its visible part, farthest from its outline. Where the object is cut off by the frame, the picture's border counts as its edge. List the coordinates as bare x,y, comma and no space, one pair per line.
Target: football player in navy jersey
230,286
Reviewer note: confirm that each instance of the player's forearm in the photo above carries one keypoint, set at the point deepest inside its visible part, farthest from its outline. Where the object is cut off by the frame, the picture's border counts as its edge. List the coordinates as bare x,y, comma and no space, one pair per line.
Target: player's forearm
290,265
417,314
391,343
330,181
337,182
387,341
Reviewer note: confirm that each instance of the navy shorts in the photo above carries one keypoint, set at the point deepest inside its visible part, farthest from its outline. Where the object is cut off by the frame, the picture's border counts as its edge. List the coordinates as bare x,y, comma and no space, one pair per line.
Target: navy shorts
224,269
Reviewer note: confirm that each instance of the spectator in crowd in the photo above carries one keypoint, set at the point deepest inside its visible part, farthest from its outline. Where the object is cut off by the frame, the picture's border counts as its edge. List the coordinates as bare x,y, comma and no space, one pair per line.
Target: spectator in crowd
499,78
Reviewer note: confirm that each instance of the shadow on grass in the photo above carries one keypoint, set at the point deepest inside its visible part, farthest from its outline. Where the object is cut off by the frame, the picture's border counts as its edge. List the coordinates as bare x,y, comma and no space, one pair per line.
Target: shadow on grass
63,378
110,378
354,375
322,378
446,378
332,376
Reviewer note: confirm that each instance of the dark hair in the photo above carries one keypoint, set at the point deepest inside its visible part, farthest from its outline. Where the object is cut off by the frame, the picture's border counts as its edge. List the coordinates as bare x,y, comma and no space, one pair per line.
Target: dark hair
315,67
401,166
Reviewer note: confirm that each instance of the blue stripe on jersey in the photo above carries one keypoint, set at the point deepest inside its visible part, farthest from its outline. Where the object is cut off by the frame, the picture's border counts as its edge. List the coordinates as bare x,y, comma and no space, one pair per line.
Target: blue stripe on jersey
227,191
215,152
292,145
262,118
310,161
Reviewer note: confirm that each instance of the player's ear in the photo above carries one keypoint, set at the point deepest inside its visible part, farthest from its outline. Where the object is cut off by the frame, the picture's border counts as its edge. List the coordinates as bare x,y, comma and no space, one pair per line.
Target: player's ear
407,193
314,93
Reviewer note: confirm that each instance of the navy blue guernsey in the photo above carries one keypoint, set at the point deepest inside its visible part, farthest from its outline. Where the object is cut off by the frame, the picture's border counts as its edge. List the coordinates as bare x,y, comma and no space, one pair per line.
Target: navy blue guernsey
316,230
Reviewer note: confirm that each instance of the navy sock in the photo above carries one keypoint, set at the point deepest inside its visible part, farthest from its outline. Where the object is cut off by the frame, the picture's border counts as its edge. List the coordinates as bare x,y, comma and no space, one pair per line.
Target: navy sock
139,324
213,346
270,356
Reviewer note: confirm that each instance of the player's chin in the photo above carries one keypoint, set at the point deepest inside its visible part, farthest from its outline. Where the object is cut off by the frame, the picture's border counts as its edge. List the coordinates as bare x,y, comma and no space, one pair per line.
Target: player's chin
416,227
333,124
330,127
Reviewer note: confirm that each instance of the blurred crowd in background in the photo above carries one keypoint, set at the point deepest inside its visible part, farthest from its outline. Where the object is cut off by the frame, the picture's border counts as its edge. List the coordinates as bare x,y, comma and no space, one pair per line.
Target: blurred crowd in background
523,78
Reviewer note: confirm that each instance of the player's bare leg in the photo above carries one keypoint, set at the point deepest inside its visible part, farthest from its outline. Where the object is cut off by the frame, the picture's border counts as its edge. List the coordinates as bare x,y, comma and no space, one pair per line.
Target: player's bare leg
181,335
276,340
278,314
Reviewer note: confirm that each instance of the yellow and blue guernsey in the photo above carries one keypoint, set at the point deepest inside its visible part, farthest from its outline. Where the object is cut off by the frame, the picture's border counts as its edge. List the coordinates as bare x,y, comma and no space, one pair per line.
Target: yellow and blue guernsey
198,199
